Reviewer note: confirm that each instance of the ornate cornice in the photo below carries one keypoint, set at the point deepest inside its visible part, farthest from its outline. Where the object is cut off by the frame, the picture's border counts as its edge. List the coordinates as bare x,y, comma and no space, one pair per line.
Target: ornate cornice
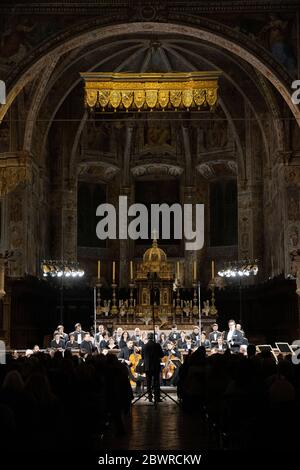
156,169
153,7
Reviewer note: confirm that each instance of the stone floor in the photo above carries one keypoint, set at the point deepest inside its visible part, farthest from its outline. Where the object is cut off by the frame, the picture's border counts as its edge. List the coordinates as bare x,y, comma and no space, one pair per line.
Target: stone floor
165,427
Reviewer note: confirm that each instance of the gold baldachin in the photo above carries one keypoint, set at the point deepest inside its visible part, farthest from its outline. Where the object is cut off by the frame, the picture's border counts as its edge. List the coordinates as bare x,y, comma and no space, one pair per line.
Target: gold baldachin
129,91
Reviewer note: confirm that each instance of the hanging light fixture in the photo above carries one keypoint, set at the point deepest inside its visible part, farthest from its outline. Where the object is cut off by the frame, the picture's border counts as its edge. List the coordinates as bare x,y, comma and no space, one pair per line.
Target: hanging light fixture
54,268
151,91
243,268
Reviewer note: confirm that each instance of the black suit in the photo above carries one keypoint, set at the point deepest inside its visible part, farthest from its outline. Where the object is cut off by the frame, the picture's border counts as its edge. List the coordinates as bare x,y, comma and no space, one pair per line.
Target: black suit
76,335
236,340
73,345
174,336
59,345
152,354
125,353
213,337
87,347
181,344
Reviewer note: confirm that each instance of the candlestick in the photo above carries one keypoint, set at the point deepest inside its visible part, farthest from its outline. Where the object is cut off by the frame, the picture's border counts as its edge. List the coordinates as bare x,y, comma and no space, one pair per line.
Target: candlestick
114,271
212,269
131,270
177,264
99,269
195,271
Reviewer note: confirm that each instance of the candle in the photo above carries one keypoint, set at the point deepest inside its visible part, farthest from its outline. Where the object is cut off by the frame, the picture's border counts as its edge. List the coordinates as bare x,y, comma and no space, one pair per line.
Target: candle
114,271
98,269
177,275
195,271
131,270
212,269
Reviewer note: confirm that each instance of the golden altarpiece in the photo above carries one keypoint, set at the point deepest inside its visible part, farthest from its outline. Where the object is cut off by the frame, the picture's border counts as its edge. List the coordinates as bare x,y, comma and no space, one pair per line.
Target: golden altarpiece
160,298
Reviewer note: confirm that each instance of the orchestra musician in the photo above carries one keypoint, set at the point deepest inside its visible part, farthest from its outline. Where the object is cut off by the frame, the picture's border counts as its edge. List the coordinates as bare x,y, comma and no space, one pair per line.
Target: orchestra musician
181,343
86,344
118,336
72,344
63,335
170,364
214,335
126,351
99,335
57,342
174,334
204,341
137,338
78,333
196,336
137,370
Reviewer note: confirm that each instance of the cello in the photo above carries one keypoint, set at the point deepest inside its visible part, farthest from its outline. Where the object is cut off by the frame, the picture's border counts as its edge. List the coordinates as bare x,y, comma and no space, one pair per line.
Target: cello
168,365
136,366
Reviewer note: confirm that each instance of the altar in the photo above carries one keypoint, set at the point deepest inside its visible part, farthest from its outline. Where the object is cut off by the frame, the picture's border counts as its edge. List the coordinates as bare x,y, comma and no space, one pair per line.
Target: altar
154,293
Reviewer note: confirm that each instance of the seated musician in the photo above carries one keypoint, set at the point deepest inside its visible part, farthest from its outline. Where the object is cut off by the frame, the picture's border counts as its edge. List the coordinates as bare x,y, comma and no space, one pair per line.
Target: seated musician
221,344
171,349
137,370
72,344
112,344
126,351
171,364
214,335
57,342
174,334
181,343
104,341
86,346
204,341
189,343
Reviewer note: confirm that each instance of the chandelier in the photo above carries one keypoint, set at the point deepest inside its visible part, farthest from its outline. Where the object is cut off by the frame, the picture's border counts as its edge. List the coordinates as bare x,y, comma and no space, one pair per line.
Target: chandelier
53,268
151,91
243,268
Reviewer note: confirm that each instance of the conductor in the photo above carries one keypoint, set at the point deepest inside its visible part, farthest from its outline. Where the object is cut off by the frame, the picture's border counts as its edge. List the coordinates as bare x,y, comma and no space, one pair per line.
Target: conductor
152,354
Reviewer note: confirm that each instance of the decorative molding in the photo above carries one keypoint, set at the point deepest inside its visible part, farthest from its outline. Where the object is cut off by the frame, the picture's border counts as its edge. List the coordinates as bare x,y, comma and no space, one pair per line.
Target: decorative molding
214,169
161,169
97,170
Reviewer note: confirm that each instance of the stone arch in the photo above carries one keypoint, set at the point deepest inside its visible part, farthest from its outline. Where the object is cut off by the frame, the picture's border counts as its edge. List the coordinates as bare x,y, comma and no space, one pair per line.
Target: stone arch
202,29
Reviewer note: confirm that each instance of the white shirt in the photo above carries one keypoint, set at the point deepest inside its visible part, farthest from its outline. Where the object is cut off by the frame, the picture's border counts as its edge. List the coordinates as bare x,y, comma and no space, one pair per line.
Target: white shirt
229,335
79,338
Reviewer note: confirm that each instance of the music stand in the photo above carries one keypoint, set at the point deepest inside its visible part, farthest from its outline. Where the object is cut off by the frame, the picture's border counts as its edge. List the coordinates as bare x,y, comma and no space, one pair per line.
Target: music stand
284,348
153,277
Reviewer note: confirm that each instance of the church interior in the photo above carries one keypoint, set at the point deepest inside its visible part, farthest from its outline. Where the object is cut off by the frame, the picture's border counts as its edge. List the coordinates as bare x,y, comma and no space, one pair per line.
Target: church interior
70,143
